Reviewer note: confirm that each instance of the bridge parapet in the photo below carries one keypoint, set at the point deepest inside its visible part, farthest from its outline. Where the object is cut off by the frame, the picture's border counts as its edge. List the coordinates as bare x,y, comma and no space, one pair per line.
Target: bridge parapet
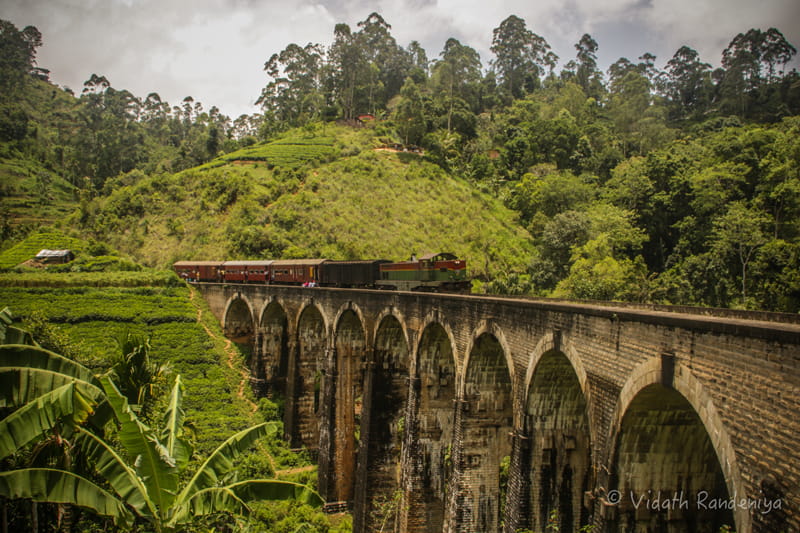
449,413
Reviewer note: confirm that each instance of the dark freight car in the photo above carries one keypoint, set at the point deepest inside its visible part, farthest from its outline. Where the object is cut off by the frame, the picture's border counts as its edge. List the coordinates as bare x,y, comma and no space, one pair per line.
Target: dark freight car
350,273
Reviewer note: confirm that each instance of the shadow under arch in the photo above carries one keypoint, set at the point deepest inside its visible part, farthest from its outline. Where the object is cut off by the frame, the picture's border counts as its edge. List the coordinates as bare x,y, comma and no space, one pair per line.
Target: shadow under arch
346,378
305,378
382,427
429,426
558,457
270,363
239,318
486,419
673,463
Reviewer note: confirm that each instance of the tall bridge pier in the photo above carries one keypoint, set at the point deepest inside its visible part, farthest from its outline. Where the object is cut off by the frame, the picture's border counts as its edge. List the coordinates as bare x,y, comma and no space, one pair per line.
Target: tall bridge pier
453,413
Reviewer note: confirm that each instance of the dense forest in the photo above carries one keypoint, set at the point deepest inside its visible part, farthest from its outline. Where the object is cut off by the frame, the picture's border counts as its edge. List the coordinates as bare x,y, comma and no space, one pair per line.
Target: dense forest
678,184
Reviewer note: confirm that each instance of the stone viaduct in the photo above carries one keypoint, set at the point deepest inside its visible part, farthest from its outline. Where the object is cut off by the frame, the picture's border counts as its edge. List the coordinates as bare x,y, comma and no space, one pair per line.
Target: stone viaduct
475,414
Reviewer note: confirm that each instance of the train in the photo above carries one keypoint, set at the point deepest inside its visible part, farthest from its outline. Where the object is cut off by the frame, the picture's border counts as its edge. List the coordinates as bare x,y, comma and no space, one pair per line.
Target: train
438,272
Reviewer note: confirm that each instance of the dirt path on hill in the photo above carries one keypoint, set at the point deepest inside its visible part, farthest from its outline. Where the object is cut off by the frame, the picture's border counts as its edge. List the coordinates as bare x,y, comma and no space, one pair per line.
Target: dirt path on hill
297,470
230,352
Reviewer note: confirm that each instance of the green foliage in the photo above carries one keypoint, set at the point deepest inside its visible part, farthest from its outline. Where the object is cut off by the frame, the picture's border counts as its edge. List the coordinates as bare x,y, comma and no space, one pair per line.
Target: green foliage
28,248
287,152
54,392
134,373
144,279
550,192
596,274
673,148
269,409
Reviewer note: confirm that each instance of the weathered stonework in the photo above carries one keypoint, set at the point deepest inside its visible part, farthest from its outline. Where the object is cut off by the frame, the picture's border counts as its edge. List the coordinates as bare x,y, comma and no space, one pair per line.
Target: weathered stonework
625,418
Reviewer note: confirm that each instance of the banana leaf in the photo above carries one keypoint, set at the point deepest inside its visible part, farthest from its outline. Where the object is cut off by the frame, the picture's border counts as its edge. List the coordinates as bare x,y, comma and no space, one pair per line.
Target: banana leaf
10,334
27,372
152,462
67,405
234,498
113,468
57,486
172,434
221,460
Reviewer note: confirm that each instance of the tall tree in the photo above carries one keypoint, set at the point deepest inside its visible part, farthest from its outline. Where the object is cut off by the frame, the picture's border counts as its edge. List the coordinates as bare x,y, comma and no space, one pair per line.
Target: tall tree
420,66
17,55
410,113
751,61
389,63
587,75
689,83
522,57
740,232
293,96
347,64
455,77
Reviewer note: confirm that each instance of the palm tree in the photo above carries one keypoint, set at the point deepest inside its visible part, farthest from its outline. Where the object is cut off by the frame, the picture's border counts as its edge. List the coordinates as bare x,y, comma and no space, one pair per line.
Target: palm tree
144,479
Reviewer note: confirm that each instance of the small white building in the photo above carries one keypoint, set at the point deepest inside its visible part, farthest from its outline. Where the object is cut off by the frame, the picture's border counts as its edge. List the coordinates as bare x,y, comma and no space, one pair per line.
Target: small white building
54,257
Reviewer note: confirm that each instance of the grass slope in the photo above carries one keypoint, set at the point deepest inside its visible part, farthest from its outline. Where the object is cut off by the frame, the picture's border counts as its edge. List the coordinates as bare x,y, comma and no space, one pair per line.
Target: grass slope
92,318
44,239
324,193
31,193
382,204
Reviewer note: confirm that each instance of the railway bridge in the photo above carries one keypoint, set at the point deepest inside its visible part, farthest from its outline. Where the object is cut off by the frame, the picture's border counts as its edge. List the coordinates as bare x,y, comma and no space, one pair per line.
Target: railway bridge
476,414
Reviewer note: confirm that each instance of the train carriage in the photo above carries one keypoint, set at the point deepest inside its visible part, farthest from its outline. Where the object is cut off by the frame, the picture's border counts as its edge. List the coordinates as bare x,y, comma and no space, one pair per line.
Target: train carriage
207,271
296,271
246,271
440,272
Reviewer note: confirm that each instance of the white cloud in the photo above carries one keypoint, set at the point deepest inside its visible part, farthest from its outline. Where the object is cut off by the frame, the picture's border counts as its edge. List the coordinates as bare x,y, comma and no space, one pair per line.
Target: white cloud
214,50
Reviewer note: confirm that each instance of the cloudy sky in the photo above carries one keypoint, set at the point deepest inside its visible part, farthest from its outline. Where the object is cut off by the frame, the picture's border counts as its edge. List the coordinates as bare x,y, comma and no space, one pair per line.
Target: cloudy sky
214,50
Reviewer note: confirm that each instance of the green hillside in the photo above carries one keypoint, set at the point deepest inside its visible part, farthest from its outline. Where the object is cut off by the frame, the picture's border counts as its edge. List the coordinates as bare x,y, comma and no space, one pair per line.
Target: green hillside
32,191
30,246
327,193
32,194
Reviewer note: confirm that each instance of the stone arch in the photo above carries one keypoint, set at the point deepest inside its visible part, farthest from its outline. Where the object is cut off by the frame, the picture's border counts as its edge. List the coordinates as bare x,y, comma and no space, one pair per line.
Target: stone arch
306,307
492,329
270,364
399,317
557,459
486,422
238,321
555,341
435,318
668,438
305,379
430,427
350,354
351,308
383,423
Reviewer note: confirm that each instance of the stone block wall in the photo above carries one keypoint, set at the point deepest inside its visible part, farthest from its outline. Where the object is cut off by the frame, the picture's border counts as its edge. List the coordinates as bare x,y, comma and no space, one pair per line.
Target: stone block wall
596,408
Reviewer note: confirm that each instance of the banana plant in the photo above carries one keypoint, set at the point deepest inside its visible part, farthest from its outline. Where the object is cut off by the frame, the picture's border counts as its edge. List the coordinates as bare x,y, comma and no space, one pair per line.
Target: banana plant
10,334
143,479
